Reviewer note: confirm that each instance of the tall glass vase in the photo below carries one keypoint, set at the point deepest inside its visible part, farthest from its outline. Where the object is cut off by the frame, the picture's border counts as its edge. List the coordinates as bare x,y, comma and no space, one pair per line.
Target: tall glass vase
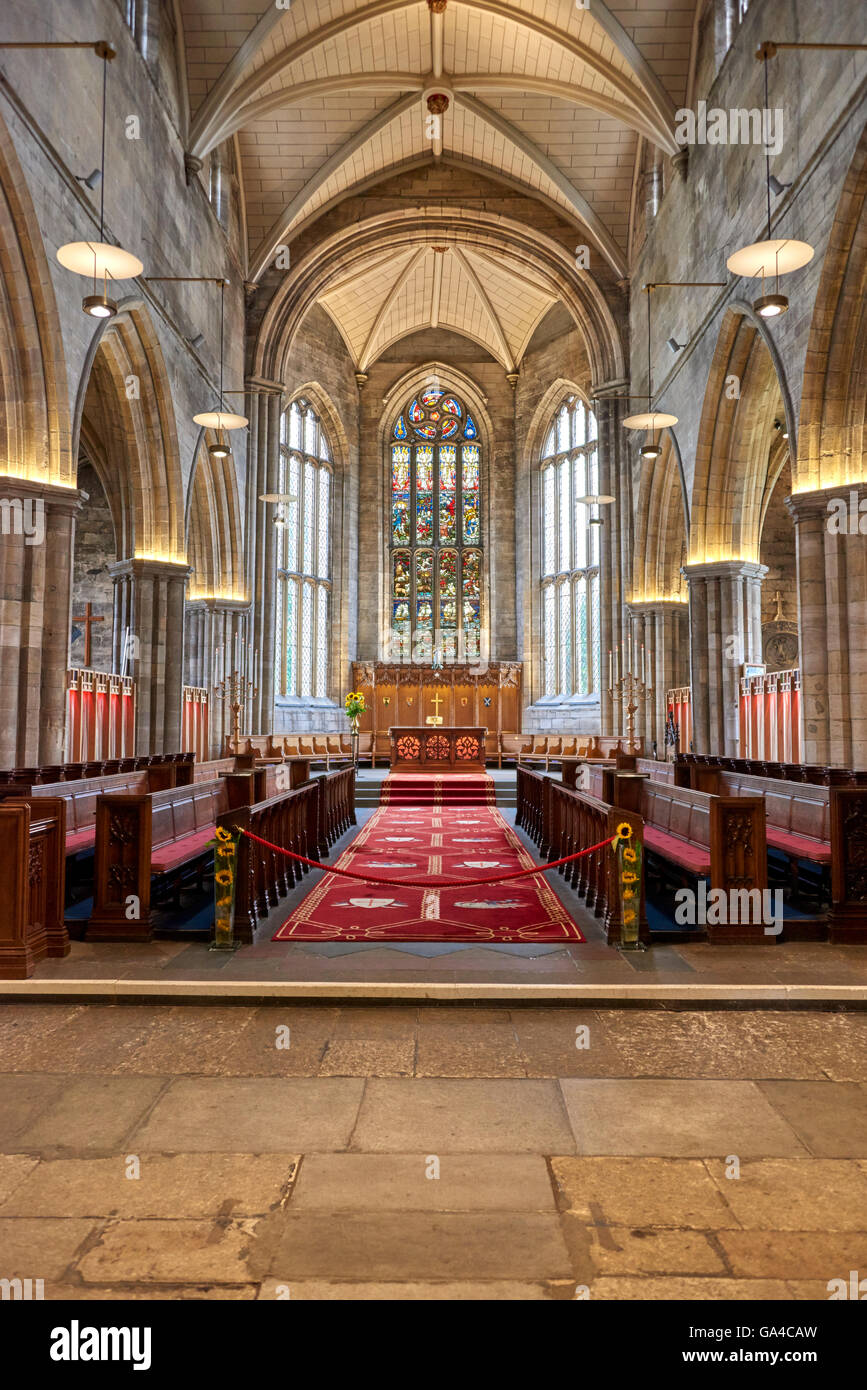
353,740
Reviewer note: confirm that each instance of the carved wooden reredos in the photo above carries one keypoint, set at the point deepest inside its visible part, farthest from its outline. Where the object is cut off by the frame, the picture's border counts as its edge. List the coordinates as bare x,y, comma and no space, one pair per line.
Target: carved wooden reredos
489,695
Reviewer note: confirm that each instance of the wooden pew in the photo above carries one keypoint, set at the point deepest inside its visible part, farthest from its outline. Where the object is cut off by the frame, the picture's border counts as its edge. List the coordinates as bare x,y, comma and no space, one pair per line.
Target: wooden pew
165,835
847,920
32,869
81,798
150,835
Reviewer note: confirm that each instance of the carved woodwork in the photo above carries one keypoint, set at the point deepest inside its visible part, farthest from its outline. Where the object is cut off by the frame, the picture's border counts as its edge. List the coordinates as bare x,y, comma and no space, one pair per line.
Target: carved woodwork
32,880
847,920
426,748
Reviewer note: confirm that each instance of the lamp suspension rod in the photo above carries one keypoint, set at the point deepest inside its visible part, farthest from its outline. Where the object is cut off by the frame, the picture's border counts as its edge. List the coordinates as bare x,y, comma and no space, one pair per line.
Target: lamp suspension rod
100,47
768,160
187,279
692,284
102,156
768,49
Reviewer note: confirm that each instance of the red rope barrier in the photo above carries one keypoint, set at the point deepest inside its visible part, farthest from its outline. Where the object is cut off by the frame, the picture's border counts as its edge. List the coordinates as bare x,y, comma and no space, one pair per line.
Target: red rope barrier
436,883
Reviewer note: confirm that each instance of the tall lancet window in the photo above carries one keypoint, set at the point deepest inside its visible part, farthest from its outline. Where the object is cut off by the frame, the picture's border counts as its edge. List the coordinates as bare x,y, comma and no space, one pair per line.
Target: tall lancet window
570,553
435,540
303,555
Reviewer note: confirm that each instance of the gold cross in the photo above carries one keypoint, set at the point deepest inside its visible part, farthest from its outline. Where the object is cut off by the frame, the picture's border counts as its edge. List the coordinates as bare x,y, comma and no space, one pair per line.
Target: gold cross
436,701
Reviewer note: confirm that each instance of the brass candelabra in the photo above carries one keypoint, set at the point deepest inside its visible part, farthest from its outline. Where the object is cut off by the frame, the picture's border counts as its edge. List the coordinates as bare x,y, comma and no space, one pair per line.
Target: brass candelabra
235,691
632,692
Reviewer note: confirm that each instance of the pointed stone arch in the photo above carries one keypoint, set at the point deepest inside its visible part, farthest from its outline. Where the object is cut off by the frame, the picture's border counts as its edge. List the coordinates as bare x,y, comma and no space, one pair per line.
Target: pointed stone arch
831,474
661,529
124,398
746,392
833,421
213,526
39,493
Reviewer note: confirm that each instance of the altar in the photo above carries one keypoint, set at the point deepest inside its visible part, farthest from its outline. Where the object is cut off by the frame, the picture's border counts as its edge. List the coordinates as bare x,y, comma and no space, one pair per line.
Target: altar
437,748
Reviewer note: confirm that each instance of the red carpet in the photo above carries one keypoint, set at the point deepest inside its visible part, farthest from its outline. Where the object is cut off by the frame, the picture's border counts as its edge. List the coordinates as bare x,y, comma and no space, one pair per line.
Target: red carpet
408,841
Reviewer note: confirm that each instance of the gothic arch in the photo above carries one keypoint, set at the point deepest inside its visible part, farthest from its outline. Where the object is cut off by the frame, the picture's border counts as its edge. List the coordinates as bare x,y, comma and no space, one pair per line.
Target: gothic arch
124,399
833,425
745,394
529,252
213,529
661,529
34,417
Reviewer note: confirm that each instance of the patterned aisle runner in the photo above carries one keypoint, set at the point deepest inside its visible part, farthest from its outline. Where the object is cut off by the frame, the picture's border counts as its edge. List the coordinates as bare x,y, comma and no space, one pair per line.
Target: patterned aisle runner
456,841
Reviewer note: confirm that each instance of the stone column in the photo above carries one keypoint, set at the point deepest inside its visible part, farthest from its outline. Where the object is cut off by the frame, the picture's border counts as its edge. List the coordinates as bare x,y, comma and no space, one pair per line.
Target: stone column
264,400
36,546
832,617
725,619
663,628
149,630
615,551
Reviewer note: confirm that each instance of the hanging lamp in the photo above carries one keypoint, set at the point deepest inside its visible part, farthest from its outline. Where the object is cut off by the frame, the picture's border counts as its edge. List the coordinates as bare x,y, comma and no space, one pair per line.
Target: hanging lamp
772,257
649,420
220,419
99,259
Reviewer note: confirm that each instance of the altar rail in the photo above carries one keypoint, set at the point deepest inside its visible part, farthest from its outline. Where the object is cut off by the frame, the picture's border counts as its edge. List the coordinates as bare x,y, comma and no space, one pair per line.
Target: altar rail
31,885
100,720
562,821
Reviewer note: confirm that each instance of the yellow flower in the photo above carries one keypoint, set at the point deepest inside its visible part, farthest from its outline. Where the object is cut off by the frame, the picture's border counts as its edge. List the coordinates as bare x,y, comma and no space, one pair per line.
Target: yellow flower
224,835
225,852
630,856
224,902
223,876
630,878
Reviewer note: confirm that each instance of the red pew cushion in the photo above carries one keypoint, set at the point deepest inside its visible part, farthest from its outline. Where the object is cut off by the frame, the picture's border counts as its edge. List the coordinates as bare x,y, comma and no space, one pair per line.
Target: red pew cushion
696,858
81,839
177,851
798,846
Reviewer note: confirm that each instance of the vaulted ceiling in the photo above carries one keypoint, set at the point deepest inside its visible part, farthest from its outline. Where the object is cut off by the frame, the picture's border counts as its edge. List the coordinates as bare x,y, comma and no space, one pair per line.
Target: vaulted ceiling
323,97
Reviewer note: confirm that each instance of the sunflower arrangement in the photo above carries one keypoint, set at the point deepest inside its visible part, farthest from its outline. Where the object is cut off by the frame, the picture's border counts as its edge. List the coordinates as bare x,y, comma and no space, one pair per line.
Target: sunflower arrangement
355,706
225,849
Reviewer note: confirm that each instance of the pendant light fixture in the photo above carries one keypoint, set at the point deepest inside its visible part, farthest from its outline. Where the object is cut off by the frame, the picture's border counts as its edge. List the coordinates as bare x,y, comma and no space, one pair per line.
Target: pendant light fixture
772,257
650,420
99,259
279,500
220,419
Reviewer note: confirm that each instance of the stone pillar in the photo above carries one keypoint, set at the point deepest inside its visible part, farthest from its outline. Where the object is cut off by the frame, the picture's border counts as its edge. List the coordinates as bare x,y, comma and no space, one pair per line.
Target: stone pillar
36,547
652,186
149,631
663,629
832,619
264,405
725,619
615,550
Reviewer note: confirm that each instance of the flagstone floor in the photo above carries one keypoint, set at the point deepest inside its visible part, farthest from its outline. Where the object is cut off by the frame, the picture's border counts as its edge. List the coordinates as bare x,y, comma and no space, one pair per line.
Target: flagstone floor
431,1152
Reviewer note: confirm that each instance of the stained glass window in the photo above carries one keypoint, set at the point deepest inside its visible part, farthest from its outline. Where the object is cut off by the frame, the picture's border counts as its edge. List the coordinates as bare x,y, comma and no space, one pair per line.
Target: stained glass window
436,532
303,555
570,552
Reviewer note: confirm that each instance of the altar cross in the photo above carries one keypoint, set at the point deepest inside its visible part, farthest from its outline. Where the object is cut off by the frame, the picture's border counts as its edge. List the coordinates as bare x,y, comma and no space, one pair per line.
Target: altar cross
87,619
436,701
